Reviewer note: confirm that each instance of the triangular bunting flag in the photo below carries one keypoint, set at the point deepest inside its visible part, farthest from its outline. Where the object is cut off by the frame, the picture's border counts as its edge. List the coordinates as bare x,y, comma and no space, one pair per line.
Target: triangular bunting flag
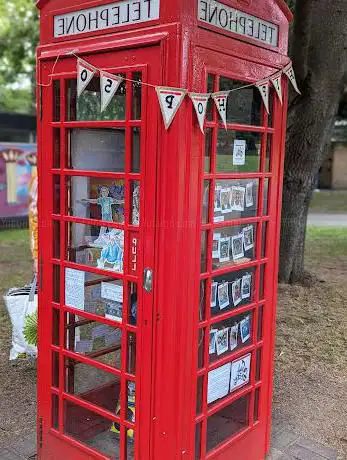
85,72
277,83
170,100
221,101
264,89
200,104
108,85
289,71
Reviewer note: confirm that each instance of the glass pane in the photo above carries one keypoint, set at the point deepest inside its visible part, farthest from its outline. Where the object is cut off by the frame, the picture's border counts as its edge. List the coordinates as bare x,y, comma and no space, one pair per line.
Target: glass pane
95,198
137,90
131,362
198,430
88,106
132,301
56,239
256,404
98,341
91,429
271,106
131,400
258,365
202,307
135,202
56,148
266,197
232,290
201,348
210,89
96,149
55,327
56,100
199,394
262,282
92,384
56,283
205,201
235,199
238,151
136,146
56,194
96,246
260,323
236,245
230,336
264,239
244,106
203,252
228,378
96,294
55,369
268,161
55,411
208,149
228,422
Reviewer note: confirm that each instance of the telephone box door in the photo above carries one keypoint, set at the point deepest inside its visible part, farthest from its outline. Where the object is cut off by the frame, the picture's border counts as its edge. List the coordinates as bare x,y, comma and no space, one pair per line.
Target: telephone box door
97,196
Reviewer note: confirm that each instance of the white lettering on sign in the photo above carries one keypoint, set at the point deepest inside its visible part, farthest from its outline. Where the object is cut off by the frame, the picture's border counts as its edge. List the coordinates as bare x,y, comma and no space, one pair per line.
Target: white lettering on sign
117,14
232,20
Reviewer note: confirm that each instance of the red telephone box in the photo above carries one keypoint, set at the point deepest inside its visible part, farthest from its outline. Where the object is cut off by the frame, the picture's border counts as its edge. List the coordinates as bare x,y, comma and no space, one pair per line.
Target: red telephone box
158,248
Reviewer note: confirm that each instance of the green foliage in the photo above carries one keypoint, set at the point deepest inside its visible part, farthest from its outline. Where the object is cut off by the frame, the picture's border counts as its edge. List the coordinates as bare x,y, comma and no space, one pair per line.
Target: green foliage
30,330
19,34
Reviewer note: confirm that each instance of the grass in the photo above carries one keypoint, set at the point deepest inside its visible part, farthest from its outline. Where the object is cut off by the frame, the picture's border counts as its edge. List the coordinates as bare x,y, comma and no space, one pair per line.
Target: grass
329,201
326,241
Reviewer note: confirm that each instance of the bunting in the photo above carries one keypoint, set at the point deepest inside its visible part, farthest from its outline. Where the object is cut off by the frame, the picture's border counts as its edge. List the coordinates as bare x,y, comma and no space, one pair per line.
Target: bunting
170,99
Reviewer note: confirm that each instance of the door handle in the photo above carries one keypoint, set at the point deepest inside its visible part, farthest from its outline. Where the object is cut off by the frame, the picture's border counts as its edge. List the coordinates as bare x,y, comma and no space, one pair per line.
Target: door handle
148,279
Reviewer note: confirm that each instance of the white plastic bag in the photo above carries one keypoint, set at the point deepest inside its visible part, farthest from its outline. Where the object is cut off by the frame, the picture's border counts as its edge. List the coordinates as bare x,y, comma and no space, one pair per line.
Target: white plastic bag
20,303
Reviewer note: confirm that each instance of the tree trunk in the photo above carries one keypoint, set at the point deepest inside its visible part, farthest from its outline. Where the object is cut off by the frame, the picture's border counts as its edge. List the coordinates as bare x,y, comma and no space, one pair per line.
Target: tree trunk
310,120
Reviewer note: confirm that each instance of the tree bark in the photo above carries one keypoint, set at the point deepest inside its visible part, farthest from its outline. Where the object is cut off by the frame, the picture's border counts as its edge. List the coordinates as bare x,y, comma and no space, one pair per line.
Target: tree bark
322,65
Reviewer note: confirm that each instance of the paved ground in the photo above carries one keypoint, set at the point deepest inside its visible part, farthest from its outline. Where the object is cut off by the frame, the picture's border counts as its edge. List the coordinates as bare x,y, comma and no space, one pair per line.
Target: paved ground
286,445
327,220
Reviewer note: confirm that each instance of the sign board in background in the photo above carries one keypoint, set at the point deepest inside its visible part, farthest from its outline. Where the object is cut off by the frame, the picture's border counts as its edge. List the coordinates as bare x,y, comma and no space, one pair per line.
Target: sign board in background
230,19
116,14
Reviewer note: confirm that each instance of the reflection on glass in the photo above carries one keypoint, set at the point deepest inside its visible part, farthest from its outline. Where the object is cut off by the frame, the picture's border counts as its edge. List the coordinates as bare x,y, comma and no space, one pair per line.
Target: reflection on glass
268,162
96,294
266,197
55,411
210,89
232,290
56,148
227,422
244,106
203,259
271,106
258,365
56,98
235,199
55,369
136,145
56,194
201,347
260,323
199,394
238,151
202,307
96,149
264,239
98,341
198,430
87,107
91,384
56,239
133,306
230,336
131,362
256,404
91,429
95,198
137,90
55,327
56,283
96,246
208,149
205,201
233,245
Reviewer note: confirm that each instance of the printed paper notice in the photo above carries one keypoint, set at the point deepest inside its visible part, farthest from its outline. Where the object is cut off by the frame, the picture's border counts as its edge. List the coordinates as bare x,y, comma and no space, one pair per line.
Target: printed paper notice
74,288
239,152
218,383
111,291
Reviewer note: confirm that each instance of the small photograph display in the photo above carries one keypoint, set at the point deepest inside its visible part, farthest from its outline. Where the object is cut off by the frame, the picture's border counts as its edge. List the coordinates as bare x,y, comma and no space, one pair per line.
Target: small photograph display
248,237
238,198
214,288
236,292
223,295
226,200
245,328
218,383
239,152
222,341
249,195
224,254
213,341
216,246
240,372
217,200
234,333
246,286
237,246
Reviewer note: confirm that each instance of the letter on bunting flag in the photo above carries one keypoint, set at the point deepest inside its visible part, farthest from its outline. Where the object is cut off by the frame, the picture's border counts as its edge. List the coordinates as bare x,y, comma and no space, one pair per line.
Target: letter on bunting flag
109,84
170,100
264,91
289,71
85,72
221,101
200,104
277,82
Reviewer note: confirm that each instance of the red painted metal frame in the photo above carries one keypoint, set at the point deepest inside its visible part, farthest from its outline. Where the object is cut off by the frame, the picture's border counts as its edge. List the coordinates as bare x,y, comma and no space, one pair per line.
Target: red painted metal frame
175,51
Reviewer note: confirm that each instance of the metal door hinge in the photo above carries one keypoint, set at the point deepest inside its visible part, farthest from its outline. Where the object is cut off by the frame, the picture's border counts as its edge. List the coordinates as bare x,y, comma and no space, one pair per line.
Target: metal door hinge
148,279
